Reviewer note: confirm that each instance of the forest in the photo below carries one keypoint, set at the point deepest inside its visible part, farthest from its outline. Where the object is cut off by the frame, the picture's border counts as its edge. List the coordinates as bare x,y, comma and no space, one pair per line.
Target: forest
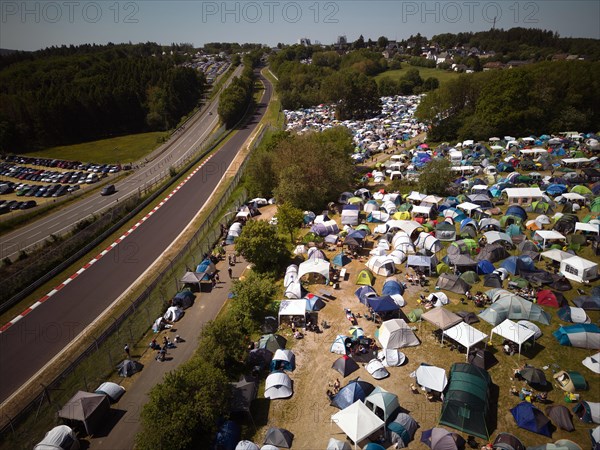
546,97
65,95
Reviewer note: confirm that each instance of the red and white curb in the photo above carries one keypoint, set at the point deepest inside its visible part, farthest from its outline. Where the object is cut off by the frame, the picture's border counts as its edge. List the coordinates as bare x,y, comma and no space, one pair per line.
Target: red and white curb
103,252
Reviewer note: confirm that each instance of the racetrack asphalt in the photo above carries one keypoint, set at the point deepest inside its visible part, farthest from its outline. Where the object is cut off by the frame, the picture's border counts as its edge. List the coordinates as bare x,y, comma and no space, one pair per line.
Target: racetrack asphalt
35,339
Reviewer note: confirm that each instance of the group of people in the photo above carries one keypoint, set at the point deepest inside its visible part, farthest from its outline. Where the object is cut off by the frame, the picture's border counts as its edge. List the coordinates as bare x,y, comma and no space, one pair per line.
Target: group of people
417,279
161,350
335,388
479,299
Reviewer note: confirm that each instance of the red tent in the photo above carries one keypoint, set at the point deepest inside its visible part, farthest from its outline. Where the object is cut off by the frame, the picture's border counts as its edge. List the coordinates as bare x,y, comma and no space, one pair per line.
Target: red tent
546,297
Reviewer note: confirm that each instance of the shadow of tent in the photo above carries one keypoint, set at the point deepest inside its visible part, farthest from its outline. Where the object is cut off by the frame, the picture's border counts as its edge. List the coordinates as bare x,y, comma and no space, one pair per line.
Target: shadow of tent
112,418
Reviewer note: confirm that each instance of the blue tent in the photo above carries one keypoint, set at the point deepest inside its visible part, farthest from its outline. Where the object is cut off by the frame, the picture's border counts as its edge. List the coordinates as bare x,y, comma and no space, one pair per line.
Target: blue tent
383,304
513,230
515,264
341,259
357,234
556,189
484,267
516,210
228,435
364,292
582,335
392,287
204,267
468,222
532,419
314,303
353,391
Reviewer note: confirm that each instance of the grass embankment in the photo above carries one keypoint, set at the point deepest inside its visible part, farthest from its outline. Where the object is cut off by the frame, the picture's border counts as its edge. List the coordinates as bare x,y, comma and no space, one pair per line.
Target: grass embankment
122,149
442,75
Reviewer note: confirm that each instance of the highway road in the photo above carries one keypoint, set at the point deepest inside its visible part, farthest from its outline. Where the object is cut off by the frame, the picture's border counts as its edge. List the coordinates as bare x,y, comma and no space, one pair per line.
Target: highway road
169,154
29,344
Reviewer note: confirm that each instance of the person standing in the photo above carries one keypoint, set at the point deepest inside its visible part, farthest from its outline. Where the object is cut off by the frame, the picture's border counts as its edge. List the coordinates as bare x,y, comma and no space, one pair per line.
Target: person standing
230,272
126,348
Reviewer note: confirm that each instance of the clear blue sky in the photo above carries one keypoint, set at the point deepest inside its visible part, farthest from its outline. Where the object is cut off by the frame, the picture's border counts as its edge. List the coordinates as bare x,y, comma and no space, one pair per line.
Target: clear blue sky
30,25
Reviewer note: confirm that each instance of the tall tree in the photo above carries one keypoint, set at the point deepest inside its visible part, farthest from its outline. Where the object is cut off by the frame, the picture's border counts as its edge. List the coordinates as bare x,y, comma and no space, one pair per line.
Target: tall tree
262,246
435,177
289,219
251,298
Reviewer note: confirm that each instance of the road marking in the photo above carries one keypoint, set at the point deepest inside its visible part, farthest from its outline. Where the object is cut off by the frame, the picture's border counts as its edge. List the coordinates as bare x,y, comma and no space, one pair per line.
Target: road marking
103,253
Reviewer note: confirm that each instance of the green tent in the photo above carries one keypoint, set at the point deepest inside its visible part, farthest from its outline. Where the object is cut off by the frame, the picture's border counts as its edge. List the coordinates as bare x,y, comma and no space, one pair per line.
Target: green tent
466,405
595,206
365,278
365,227
470,277
442,268
581,190
415,315
520,282
355,201
510,219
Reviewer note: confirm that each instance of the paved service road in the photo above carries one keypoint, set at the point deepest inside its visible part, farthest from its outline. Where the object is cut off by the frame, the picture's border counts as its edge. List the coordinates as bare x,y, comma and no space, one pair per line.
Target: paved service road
32,342
196,131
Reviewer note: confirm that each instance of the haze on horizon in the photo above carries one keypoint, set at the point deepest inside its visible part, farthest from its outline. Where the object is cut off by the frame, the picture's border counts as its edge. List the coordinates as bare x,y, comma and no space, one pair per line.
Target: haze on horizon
33,24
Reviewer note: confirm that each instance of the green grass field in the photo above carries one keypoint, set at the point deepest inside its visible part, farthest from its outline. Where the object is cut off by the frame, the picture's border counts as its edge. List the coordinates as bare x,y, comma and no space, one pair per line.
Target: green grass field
425,72
121,149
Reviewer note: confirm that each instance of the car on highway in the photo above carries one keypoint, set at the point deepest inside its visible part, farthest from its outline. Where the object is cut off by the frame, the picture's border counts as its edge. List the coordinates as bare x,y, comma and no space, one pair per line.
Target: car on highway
108,190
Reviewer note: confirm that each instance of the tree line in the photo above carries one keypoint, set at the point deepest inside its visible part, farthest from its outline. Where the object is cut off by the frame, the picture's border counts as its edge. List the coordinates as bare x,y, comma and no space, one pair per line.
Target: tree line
546,97
235,99
74,94
306,171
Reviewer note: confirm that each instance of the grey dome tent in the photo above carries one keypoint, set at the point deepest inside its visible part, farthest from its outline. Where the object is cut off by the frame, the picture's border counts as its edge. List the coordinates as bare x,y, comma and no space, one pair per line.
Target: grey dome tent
336,444
493,253
279,437
246,445
506,305
560,416
482,358
345,365
112,390
128,367
402,430
452,283
243,394
383,403
466,400
445,232
272,342
60,437
492,280
441,439
90,409
507,441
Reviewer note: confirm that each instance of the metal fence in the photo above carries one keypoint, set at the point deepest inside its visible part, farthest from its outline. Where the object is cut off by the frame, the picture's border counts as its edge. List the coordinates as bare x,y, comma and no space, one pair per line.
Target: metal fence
102,353
46,265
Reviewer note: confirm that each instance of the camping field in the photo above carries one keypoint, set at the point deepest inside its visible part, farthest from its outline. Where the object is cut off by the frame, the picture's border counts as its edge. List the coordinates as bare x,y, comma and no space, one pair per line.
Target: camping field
122,149
307,413
442,75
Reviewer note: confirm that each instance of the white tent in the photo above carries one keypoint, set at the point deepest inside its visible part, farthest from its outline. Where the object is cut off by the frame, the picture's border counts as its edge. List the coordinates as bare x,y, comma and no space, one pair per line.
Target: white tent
339,345
556,255
428,242
377,369
293,290
390,357
173,314
425,210
548,235
431,377
592,362
350,216
292,308
382,265
395,333
465,335
336,444
533,327
60,437
523,195
278,385
513,332
579,269
357,421
468,207
318,266
589,227
246,445
398,256
415,196
438,298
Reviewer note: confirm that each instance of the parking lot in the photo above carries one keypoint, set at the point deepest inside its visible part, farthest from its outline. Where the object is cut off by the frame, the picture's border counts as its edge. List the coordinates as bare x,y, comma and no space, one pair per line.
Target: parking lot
26,182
